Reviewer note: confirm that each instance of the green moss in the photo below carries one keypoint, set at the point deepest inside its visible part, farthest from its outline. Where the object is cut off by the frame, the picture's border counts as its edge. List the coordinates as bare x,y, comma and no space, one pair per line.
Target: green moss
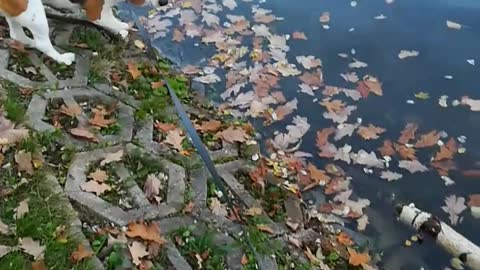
191,245
40,223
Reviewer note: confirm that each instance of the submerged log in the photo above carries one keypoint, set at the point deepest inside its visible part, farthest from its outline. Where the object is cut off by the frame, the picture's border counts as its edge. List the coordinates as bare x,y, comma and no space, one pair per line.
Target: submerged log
446,237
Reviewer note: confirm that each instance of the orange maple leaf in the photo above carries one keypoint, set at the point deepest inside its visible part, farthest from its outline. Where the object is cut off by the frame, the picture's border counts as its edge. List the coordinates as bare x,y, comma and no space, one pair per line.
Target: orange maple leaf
133,70
371,132
357,259
408,133
322,136
387,148
149,232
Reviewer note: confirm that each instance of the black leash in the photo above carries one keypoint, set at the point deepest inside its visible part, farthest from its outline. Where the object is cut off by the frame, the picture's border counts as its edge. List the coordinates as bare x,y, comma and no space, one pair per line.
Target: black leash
202,151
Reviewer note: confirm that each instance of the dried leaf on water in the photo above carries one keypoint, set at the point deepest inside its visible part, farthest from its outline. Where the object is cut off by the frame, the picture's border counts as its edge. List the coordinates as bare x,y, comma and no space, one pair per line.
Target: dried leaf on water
371,132
454,206
412,166
454,25
408,133
405,54
429,139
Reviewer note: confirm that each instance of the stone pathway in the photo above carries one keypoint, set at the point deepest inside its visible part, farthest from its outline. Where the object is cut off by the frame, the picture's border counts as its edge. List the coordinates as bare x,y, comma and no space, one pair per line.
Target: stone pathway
183,182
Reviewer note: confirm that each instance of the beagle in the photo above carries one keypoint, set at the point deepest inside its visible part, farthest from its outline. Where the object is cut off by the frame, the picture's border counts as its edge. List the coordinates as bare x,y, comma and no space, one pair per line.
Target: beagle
30,14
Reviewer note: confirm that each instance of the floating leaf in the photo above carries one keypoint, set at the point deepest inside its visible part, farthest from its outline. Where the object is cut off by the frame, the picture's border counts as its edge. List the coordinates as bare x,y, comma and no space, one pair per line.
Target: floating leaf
371,132
299,35
429,139
454,25
412,166
405,54
390,176
454,206
408,133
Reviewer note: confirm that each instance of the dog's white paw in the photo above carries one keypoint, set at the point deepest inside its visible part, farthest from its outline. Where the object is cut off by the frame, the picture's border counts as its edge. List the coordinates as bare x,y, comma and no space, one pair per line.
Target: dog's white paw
123,34
66,58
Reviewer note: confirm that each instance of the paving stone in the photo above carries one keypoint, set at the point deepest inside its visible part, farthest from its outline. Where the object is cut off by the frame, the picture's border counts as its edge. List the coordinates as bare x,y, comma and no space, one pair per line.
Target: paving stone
38,106
176,258
80,78
266,262
104,210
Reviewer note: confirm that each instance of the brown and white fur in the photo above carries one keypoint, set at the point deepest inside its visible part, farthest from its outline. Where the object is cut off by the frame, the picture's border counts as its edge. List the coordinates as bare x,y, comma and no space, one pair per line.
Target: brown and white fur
31,15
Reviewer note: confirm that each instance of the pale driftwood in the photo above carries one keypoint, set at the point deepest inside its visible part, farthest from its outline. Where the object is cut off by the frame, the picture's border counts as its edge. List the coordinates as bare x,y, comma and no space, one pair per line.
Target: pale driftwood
446,237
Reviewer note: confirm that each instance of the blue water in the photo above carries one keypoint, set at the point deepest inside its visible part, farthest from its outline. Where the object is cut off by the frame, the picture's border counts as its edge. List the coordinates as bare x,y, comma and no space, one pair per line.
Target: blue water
411,25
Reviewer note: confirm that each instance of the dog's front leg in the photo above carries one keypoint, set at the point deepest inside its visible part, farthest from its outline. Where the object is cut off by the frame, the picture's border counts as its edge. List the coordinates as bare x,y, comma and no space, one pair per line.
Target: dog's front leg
35,20
108,20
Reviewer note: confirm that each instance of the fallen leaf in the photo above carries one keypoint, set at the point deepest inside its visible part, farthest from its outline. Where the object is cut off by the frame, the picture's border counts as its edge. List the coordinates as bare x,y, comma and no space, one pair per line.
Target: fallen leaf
373,84
29,246
333,106
454,25
218,208
191,70
323,135
146,232
24,161
473,103
112,157
207,79
317,175
357,259
39,265
367,159
178,35
357,64
444,153
164,127
244,261
371,132
390,176
362,223
139,44
412,166
152,186
99,119
299,35
344,239
4,250
98,175
81,253
405,54
83,133
325,17
138,251
282,111
309,62
474,200
387,148
21,209
175,139
233,135
429,139
95,187
454,206
422,95
253,211
188,208
312,78
132,68
9,134
211,125
72,110
408,133
406,152
265,228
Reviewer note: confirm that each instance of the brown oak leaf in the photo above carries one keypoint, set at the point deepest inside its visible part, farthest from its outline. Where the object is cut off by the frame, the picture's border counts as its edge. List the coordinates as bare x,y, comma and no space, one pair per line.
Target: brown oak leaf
387,148
148,232
429,139
233,135
211,125
408,133
371,132
323,135
83,133
175,139
81,253
405,152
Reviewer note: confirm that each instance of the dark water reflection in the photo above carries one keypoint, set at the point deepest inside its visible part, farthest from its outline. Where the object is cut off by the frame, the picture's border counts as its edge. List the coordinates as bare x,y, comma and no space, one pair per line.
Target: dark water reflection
412,25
